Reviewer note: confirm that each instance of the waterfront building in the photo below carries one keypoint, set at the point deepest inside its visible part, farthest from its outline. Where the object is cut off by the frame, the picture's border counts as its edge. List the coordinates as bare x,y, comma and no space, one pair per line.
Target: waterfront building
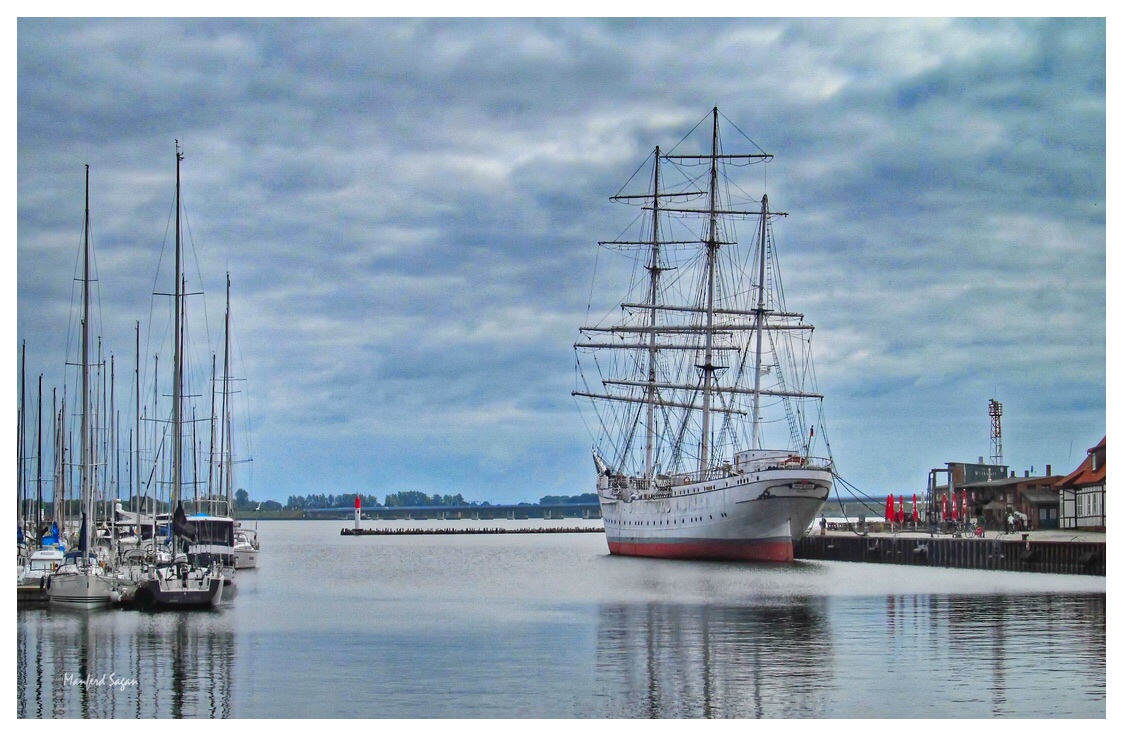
1083,492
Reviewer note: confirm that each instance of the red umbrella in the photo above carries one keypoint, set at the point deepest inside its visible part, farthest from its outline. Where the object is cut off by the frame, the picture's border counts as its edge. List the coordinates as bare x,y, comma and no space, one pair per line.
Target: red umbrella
944,517
964,508
954,508
889,508
915,513
901,509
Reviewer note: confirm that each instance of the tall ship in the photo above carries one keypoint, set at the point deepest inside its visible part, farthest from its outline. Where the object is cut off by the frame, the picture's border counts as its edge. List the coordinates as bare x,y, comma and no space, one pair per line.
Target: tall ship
708,421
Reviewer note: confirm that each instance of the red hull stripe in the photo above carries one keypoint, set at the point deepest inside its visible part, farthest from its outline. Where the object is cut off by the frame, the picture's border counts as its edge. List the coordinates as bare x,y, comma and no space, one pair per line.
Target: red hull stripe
775,550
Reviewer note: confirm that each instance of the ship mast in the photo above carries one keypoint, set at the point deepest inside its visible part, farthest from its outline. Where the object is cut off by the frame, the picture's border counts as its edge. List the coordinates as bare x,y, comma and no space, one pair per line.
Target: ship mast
708,367
757,441
652,350
703,396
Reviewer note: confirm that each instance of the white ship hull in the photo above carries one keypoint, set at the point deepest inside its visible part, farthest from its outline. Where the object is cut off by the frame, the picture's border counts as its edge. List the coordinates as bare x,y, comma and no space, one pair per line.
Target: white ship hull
752,514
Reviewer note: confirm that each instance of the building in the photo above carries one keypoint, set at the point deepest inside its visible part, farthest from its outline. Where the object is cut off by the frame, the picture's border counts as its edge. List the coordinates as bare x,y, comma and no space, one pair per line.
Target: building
957,476
1083,492
1032,500
994,492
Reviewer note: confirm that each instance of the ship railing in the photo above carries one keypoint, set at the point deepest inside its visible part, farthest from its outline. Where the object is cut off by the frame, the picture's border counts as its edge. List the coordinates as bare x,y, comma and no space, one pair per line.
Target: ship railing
793,461
626,487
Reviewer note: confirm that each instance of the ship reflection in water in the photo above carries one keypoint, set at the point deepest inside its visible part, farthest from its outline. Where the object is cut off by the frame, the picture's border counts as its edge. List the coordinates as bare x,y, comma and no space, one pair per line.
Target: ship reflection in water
716,661
167,665
896,656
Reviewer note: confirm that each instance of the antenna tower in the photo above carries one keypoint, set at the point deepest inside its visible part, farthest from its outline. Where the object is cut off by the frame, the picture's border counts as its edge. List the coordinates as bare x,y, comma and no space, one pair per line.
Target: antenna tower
995,412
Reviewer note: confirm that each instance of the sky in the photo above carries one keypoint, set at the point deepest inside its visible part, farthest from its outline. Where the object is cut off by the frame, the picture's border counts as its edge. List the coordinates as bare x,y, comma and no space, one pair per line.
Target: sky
409,212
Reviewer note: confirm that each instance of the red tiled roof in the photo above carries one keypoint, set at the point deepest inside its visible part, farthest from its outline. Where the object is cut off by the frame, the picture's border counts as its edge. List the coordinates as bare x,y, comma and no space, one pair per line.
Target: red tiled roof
1085,475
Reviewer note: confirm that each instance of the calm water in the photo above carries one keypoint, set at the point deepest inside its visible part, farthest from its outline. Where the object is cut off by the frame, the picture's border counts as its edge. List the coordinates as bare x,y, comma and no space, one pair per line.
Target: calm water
551,626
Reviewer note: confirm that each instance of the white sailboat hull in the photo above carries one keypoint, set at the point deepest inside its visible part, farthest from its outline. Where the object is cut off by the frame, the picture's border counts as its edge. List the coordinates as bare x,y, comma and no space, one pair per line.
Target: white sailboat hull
83,591
246,548
753,516
245,558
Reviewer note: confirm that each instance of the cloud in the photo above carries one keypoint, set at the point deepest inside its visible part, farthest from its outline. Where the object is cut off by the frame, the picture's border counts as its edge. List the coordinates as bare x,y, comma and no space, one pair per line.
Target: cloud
409,211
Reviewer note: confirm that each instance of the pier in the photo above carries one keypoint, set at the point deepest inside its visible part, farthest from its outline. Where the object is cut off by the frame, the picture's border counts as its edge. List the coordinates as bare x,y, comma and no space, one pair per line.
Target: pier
353,532
510,512
1065,553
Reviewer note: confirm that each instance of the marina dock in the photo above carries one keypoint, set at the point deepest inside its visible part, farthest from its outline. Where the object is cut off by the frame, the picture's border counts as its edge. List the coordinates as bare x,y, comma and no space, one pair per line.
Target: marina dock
1065,552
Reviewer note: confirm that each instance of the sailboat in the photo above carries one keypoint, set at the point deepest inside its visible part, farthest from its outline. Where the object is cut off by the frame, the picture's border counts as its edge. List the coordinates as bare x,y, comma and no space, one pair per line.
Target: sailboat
694,364
246,544
217,537
190,579
46,549
81,581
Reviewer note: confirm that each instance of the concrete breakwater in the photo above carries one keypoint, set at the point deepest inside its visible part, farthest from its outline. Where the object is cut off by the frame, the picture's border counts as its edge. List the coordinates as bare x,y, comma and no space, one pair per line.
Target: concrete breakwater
1015,553
352,532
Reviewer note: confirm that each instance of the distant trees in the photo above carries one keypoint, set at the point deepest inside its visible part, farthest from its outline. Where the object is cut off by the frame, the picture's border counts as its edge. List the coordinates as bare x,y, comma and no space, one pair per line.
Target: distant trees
416,498
561,500
330,501
407,498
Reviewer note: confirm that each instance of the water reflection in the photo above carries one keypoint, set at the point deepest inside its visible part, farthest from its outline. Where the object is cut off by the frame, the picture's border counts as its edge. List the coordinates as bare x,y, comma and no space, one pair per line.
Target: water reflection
1001,647
970,656
114,664
550,626
770,660
896,656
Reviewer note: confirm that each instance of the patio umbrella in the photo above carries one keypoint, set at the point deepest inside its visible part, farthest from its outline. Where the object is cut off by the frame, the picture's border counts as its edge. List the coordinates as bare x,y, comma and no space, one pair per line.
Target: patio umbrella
901,509
915,513
889,509
944,517
954,508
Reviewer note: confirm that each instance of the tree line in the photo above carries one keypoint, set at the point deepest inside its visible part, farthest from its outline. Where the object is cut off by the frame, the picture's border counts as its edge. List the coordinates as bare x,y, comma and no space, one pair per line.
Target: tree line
405,498
243,502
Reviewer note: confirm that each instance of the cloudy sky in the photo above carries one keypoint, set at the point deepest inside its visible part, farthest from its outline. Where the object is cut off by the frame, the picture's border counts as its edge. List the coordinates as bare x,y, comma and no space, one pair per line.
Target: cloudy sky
409,212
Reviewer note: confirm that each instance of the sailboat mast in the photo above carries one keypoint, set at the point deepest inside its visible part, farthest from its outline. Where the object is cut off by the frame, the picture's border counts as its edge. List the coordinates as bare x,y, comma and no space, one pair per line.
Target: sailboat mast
227,441
177,359
56,484
39,459
758,440
113,459
135,489
85,408
653,268
20,511
711,276
59,495
210,449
